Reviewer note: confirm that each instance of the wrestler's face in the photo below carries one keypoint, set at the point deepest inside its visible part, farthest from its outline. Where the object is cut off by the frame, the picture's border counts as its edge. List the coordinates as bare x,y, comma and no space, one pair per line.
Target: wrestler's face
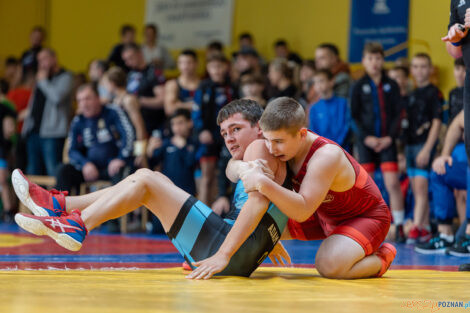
238,133
284,144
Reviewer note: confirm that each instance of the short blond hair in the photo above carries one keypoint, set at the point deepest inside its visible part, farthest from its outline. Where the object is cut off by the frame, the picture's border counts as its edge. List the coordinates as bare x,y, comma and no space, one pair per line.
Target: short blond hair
283,113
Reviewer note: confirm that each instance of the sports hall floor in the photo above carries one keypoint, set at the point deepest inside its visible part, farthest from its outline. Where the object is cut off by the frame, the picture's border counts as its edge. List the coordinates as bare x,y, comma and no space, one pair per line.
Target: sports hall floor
139,273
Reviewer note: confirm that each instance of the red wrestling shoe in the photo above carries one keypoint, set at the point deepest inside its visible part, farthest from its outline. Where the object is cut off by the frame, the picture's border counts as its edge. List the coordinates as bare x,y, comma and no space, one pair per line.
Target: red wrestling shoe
386,253
40,201
186,266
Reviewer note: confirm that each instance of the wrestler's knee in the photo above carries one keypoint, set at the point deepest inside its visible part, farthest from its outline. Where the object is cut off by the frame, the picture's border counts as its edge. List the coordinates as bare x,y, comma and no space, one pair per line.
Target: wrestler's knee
330,265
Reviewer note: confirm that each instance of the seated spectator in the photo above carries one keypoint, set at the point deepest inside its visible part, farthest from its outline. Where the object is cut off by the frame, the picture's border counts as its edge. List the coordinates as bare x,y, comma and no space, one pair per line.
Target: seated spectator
7,130
127,37
252,87
116,81
213,93
154,52
179,92
4,101
96,71
307,96
12,72
330,108
176,155
281,50
146,82
280,77
327,57
47,122
29,58
447,174
101,140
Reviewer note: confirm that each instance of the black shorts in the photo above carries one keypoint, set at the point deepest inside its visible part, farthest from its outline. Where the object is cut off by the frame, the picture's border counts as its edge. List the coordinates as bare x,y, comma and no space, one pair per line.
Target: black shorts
198,233
386,159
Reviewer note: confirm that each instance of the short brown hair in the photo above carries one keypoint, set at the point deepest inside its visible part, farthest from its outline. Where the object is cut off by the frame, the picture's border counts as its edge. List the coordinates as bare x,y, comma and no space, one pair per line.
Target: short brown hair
373,48
217,57
283,113
249,109
117,76
92,86
423,55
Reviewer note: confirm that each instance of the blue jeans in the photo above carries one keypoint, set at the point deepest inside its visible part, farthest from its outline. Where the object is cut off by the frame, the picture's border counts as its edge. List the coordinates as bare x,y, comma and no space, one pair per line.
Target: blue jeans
43,153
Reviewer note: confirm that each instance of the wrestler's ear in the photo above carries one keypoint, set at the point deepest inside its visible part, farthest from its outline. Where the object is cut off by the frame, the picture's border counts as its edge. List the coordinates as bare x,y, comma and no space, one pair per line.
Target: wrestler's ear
303,132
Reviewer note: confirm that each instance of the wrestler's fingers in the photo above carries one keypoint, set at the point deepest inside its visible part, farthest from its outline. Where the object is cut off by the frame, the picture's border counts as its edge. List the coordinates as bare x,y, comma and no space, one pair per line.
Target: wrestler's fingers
273,259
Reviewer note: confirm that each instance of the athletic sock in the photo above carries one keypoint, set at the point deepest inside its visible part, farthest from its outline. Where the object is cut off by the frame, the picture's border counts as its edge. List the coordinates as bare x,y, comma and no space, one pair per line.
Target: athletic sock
448,238
398,217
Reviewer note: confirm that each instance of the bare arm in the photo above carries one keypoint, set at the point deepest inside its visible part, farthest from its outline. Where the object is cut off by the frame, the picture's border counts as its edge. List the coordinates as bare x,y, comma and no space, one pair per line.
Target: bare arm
155,102
250,216
454,133
433,134
321,172
171,101
132,107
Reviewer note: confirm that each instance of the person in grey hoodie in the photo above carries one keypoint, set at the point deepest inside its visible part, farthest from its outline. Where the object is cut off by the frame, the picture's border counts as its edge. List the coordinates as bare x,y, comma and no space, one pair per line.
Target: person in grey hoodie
47,123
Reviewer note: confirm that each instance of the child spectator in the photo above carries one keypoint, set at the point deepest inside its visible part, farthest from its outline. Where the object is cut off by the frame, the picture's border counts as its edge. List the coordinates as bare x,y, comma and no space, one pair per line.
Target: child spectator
179,92
424,115
177,155
252,87
213,93
96,71
375,106
281,78
307,95
328,109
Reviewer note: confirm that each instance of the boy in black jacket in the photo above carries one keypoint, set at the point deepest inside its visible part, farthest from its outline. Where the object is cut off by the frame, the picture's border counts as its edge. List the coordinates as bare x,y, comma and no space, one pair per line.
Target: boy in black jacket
376,106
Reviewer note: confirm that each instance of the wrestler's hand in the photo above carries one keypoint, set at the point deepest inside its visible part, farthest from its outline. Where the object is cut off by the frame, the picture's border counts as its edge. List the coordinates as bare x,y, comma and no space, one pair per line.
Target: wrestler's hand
439,164
207,268
279,256
263,166
252,179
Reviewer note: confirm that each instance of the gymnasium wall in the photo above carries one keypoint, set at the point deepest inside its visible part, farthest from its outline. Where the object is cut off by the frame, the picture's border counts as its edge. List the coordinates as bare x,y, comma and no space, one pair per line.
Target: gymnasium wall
82,30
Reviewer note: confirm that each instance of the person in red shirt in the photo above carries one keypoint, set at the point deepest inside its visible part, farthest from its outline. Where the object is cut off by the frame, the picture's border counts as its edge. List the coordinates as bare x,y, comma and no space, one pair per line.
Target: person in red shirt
334,198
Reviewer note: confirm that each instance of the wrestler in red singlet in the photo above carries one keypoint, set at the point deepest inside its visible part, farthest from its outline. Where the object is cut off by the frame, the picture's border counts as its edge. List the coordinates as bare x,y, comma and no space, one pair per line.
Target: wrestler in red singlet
359,213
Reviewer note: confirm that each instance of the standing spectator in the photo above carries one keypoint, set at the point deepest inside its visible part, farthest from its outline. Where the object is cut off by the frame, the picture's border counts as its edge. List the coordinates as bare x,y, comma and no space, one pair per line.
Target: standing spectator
327,57
127,37
447,174
116,82
12,72
330,108
214,47
101,141
252,88
96,71
154,52
308,96
281,50
29,59
424,115
7,130
280,77
213,93
177,154
47,122
179,92
147,83
456,94
375,108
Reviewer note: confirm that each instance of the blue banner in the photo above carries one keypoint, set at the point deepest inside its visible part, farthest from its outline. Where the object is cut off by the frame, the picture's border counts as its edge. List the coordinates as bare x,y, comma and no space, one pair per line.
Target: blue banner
383,21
